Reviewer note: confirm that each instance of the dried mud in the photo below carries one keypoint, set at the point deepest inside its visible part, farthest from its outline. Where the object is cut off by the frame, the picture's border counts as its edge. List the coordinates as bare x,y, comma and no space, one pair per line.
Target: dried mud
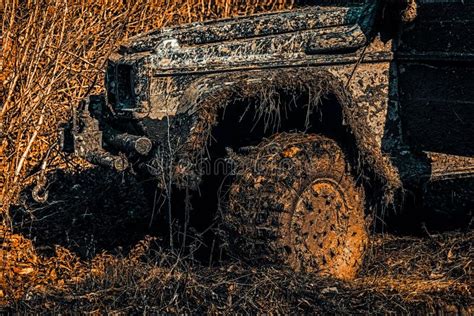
129,272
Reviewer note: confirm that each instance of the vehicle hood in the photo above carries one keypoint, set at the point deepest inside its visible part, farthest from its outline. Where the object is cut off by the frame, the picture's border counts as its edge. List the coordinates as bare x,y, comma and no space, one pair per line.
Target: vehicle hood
255,40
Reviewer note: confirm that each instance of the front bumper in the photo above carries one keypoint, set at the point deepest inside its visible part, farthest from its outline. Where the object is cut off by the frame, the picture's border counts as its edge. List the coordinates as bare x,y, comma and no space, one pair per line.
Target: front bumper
90,135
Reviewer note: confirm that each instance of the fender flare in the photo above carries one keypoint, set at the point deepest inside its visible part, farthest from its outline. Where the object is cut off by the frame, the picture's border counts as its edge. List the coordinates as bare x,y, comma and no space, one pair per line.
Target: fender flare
203,100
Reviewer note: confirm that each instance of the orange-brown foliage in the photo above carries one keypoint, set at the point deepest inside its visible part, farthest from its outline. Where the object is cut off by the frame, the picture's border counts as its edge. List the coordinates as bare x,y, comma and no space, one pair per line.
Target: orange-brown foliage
53,54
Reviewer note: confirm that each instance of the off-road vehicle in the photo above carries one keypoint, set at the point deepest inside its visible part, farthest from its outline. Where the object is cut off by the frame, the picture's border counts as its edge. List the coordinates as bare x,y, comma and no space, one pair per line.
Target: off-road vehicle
288,127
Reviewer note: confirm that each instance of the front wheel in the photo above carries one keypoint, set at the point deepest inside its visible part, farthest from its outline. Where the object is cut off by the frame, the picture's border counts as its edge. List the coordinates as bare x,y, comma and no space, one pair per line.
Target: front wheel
294,201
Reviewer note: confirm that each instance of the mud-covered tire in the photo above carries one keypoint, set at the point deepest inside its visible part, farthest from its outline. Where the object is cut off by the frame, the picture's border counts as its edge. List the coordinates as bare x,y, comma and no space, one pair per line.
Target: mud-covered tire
293,201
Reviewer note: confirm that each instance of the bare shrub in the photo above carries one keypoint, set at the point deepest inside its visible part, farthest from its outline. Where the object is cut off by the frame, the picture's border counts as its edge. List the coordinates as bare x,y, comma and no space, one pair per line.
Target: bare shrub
53,54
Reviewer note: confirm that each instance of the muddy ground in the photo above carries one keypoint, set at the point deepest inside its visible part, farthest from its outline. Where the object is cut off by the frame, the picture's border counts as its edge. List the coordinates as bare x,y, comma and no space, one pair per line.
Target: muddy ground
96,246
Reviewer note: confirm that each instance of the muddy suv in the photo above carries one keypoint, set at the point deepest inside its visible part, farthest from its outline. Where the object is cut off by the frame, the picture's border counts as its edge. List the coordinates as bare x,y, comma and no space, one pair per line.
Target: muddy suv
287,127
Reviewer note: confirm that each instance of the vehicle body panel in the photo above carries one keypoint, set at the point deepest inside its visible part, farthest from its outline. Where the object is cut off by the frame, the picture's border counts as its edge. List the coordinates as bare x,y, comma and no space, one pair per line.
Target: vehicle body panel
170,85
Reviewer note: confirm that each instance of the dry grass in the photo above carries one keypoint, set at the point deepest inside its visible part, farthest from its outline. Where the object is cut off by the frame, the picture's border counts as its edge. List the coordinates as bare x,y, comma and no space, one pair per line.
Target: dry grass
53,54
75,257
423,276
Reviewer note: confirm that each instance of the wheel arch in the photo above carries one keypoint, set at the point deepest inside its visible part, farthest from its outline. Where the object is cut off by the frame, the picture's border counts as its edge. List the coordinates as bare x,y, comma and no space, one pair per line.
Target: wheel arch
206,99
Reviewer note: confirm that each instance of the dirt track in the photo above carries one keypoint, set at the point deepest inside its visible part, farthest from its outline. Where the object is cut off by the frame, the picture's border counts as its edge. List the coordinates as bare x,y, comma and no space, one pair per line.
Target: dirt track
70,266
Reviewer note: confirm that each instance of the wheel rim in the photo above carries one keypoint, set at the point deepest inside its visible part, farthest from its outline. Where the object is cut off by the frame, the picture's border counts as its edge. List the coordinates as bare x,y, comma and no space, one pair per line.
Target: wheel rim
318,223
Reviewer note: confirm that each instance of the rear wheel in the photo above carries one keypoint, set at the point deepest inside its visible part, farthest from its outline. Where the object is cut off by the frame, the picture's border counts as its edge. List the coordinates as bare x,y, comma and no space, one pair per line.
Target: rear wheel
294,201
